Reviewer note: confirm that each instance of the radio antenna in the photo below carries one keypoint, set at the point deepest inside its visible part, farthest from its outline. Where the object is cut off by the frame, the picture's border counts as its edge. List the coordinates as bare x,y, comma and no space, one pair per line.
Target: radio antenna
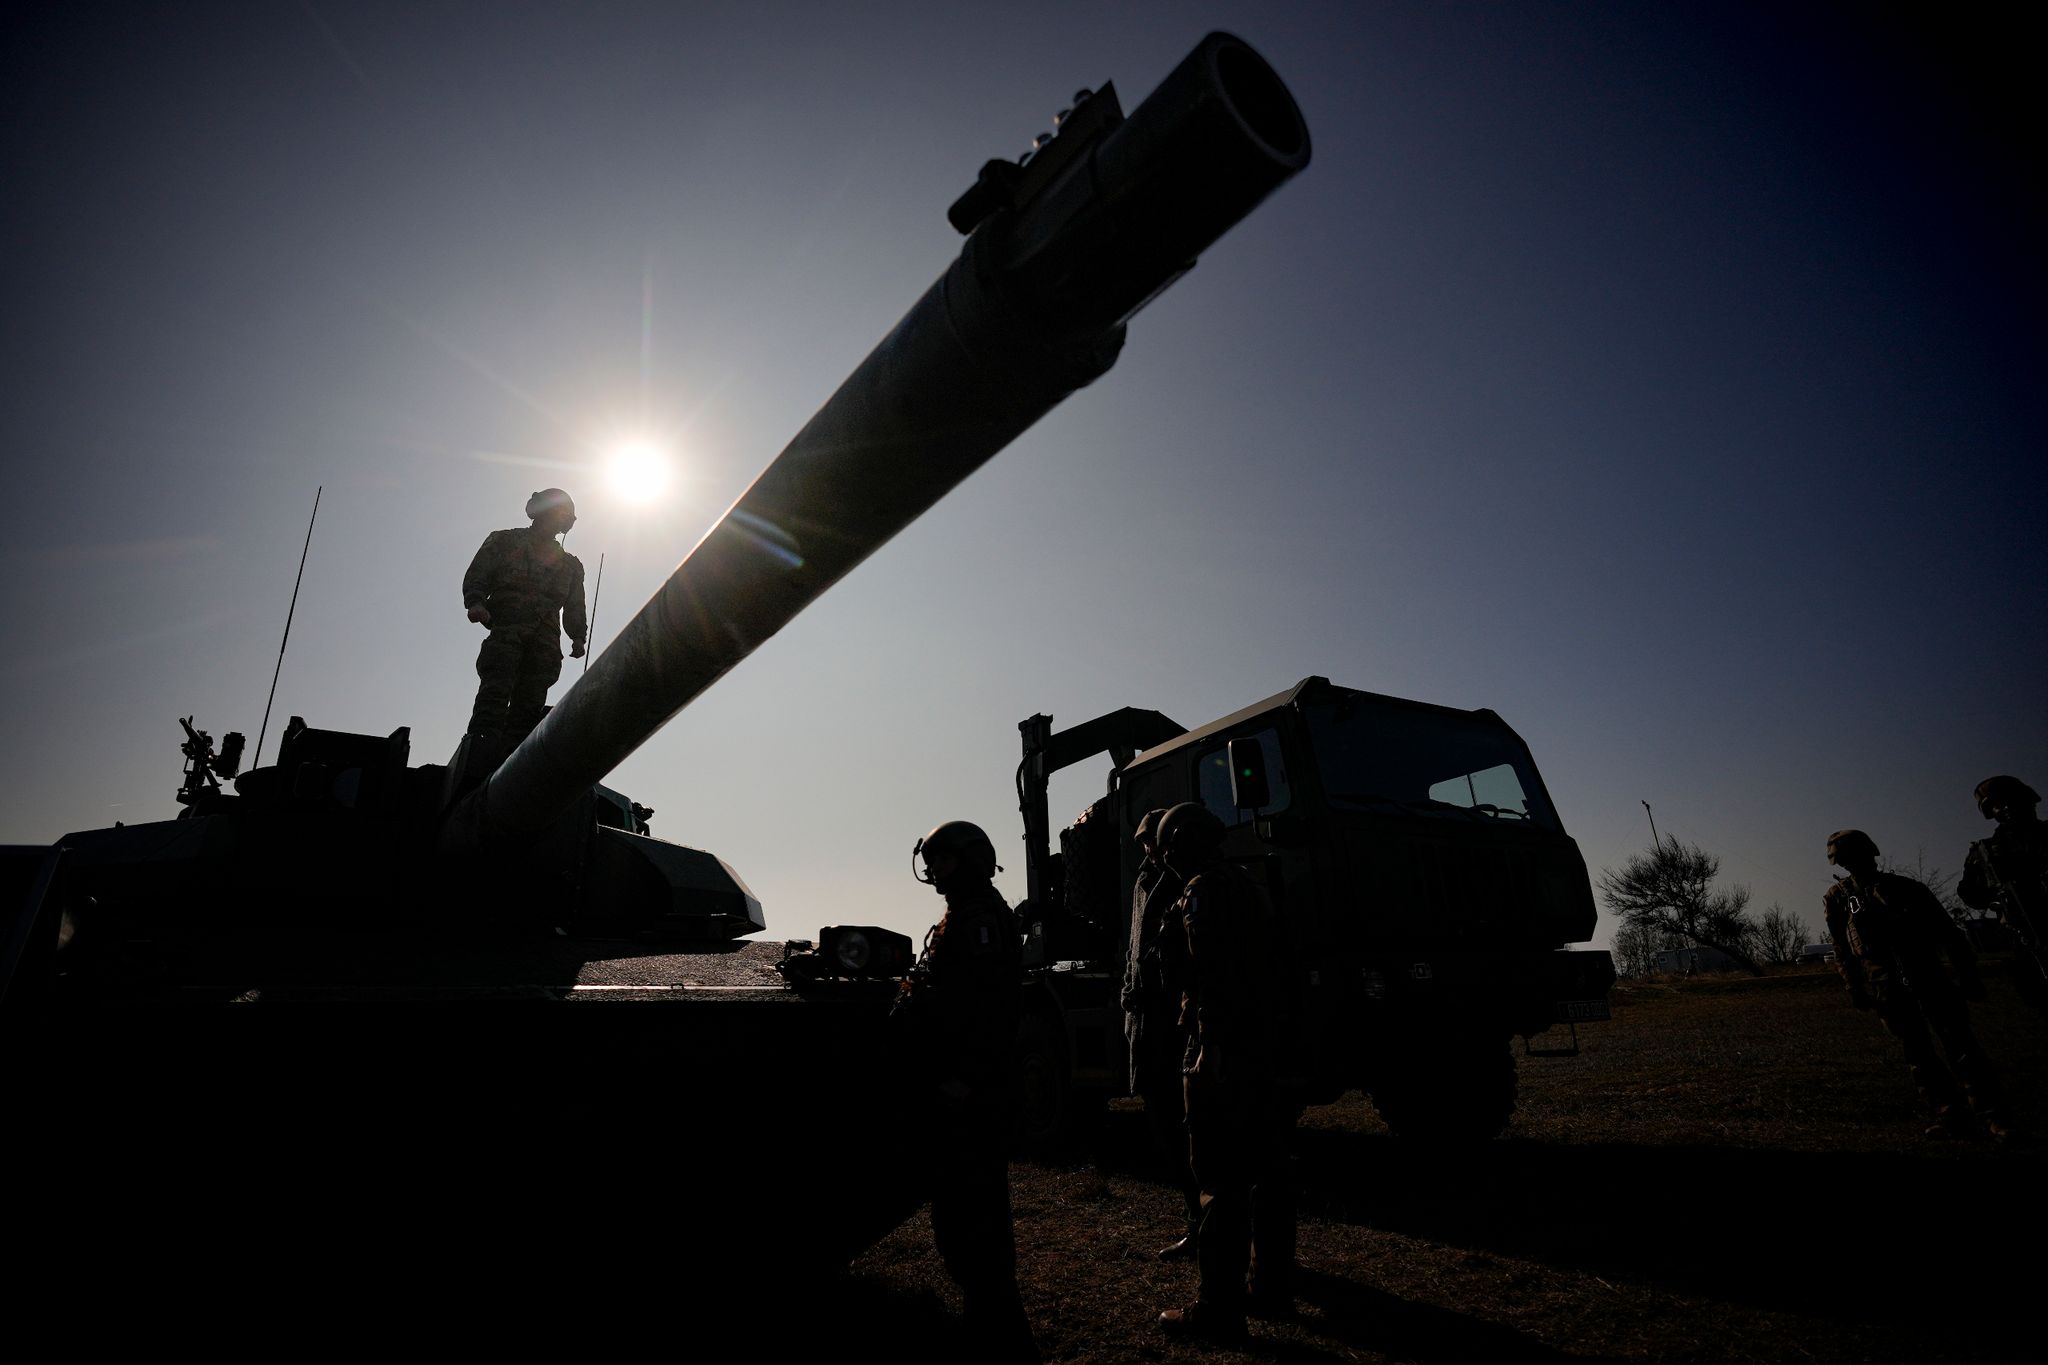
590,645
289,613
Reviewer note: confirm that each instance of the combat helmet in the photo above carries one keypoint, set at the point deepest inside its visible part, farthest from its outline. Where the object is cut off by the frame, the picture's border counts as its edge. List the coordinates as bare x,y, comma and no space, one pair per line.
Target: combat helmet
1148,827
2004,790
1190,829
966,845
1850,843
547,500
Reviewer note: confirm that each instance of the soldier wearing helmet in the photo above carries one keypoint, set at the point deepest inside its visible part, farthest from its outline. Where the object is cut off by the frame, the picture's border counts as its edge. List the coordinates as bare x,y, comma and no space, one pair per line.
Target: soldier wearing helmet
1153,1045
2008,872
1223,949
1890,938
966,997
523,587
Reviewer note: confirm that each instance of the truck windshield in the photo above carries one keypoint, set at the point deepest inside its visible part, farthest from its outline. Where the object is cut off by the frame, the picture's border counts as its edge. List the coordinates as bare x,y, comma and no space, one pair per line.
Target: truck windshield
1398,759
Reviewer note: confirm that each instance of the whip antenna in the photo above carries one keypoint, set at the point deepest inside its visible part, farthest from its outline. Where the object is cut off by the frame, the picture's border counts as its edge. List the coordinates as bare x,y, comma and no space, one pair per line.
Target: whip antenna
590,645
289,613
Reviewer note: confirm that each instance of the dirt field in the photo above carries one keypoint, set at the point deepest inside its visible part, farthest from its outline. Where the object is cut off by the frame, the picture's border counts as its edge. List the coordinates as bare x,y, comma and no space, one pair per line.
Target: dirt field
1733,1170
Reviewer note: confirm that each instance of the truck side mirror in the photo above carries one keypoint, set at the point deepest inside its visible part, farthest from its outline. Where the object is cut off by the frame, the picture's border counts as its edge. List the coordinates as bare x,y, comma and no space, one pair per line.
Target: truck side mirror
1248,787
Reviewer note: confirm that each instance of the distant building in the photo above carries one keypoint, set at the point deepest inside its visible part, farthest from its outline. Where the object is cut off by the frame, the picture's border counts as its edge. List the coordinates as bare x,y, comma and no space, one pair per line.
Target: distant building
1816,952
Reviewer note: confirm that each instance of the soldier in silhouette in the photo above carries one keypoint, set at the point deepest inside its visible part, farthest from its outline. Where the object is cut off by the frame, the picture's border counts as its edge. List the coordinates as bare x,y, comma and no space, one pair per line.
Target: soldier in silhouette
966,997
2008,872
1890,938
524,588
1151,1016
1224,952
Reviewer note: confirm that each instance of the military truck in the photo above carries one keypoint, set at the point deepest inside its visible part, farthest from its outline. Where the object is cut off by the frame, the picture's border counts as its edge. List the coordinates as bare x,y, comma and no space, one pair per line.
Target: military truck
1425,878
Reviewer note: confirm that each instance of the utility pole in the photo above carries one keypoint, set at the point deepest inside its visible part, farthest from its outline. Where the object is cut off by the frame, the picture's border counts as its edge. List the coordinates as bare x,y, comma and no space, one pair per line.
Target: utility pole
1653,824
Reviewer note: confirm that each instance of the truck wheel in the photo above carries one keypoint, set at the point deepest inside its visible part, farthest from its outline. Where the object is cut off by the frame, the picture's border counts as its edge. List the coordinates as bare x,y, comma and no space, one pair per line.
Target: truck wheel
1451,1093
1043,1088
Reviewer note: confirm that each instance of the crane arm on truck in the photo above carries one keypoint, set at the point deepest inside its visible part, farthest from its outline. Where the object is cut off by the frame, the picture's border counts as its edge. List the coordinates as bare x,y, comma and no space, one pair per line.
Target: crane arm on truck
1121,734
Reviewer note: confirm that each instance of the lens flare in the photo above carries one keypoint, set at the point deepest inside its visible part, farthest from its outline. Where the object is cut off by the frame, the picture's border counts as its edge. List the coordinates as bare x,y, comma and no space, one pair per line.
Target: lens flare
639,472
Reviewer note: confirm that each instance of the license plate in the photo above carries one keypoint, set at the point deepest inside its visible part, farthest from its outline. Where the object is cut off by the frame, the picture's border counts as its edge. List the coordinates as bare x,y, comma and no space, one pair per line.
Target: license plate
1580,1011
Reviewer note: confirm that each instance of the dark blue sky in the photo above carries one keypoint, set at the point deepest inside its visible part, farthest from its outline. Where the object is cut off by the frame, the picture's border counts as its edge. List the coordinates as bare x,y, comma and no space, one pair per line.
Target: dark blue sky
1666,378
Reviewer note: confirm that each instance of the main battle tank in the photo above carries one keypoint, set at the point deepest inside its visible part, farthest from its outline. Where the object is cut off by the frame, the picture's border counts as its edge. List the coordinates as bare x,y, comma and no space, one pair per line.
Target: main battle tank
346,994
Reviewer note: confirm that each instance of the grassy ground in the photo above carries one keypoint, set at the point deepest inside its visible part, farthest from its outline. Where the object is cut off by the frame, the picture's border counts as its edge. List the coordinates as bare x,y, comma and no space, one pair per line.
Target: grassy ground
1732,1170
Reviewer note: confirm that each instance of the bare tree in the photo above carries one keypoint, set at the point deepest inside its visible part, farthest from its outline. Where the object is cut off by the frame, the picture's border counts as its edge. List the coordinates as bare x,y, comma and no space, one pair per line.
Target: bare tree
1942,884
1670,890
1778,935
1635,950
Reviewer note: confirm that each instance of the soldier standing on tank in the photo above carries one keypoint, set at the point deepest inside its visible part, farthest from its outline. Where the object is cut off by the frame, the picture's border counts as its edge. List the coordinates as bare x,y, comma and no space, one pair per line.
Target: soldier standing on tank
1153,1042
1890,937
1223,947
2008,872
966,995
524,587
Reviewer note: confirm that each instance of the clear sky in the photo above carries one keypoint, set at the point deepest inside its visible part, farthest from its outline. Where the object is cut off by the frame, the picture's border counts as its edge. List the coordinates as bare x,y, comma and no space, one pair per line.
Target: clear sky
1668,378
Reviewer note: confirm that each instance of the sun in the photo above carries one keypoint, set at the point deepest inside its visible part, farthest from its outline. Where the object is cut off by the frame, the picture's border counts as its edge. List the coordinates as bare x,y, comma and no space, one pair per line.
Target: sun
639,472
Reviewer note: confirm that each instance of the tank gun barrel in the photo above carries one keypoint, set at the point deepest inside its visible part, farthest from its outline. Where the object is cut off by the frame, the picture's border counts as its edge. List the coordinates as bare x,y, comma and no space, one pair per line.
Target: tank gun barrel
1062,250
